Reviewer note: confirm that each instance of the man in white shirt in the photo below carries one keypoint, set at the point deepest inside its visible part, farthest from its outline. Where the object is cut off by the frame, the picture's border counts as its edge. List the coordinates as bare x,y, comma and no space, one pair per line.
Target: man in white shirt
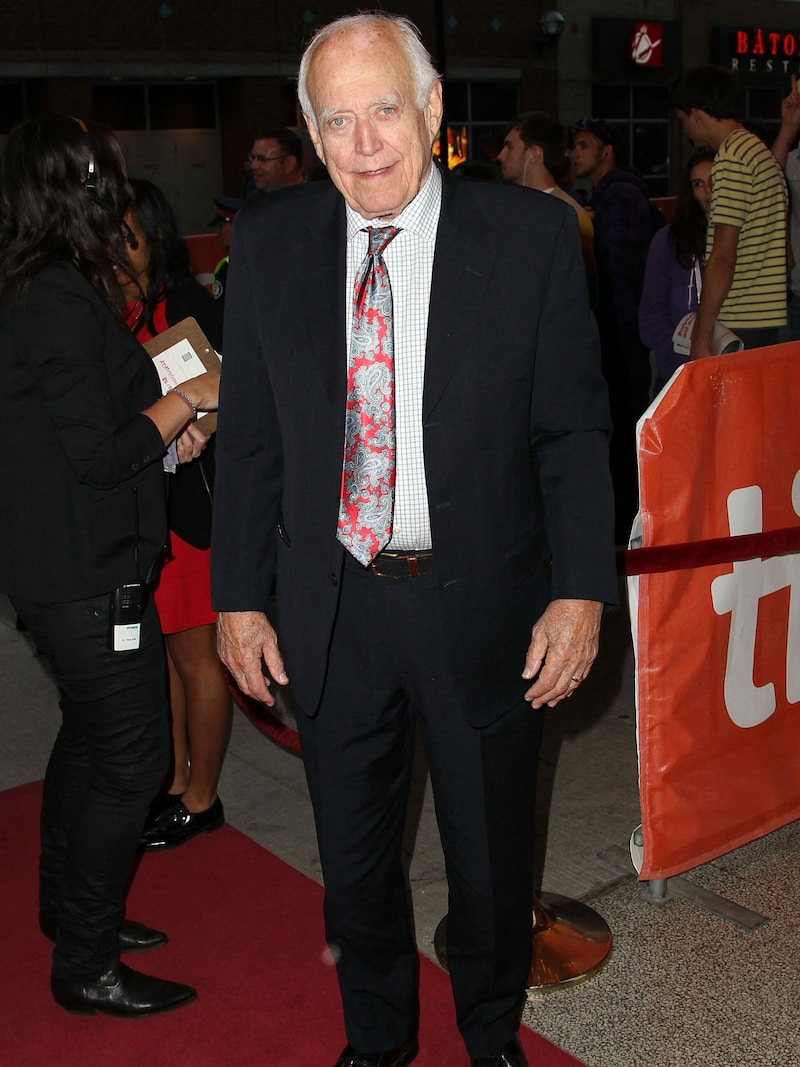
446,572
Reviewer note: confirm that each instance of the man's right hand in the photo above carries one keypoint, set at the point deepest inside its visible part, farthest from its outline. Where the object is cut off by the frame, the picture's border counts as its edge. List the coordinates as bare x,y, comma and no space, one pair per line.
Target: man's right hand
790,108
246,643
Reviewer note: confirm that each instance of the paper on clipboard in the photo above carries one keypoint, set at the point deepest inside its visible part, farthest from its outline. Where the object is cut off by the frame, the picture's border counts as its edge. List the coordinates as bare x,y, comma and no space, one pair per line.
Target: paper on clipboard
180,353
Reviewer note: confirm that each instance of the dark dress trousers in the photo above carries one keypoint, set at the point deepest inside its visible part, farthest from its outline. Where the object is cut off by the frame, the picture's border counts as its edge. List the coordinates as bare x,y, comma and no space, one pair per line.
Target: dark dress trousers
515,429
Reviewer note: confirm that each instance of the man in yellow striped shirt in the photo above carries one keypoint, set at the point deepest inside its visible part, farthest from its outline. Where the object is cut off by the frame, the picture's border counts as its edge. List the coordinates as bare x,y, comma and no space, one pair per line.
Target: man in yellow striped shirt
744,284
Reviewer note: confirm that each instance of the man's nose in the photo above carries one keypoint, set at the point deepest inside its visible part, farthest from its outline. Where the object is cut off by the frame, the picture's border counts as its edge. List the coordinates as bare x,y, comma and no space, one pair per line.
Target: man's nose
368,140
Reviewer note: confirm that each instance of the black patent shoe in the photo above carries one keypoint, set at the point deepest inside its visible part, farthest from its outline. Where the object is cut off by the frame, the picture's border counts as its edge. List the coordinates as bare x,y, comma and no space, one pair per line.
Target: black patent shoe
133,936
122,992
177,825
511,1055
398,1057
161,802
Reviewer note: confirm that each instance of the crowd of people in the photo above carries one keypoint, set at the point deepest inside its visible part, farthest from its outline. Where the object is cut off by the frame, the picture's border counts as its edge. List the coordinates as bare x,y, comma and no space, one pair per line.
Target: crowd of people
378,412
721,258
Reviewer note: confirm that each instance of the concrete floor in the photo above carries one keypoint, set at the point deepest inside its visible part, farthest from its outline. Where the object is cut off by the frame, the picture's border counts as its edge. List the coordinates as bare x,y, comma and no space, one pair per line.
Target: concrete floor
682,986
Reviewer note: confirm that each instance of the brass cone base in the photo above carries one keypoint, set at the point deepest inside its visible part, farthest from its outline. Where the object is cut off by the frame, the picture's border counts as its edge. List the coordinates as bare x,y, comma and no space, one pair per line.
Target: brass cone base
570,943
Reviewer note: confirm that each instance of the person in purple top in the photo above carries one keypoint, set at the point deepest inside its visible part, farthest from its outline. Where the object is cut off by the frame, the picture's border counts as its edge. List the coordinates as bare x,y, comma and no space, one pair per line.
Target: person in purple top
674,263
624,223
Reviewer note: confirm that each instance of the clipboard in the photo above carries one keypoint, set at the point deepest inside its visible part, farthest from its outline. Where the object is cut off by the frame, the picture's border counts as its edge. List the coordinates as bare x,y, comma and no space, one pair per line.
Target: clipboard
180,353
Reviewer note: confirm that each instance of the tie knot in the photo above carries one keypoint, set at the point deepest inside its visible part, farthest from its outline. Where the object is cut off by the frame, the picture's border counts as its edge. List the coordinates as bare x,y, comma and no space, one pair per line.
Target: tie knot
379,238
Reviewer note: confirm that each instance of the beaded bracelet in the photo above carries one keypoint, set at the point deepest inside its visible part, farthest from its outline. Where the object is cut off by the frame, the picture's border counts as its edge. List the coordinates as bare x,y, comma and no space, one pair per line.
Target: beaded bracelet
188,400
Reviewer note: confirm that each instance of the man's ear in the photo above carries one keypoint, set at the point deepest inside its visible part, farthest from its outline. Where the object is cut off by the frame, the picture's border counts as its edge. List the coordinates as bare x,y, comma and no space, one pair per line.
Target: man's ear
434,109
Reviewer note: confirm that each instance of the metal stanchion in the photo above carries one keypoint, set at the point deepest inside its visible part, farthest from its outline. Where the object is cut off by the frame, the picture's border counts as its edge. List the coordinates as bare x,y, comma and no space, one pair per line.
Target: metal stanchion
571,942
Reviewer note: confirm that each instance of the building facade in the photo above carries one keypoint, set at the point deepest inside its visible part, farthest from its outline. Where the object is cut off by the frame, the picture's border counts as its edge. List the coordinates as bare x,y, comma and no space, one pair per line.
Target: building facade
187,84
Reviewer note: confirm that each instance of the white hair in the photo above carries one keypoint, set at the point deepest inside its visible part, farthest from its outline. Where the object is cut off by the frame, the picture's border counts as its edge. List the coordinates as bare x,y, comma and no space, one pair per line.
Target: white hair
406,34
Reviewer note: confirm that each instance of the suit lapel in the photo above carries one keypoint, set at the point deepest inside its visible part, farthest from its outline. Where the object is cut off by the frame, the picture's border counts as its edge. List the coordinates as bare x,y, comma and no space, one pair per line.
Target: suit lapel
462,267
323,251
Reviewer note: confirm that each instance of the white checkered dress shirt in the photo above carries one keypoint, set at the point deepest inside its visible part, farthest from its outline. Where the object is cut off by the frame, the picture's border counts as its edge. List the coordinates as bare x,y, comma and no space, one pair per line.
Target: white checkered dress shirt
409,260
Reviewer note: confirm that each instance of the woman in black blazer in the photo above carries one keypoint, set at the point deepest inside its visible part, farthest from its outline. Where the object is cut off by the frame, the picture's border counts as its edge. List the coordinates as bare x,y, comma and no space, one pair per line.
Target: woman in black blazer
84,430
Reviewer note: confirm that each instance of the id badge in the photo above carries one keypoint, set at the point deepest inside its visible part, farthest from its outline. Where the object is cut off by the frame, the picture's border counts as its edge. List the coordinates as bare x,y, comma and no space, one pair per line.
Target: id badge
126,636
126,611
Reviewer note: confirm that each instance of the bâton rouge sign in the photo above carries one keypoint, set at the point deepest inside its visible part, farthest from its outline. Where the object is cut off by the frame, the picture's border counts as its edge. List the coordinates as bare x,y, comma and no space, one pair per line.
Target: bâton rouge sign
764,51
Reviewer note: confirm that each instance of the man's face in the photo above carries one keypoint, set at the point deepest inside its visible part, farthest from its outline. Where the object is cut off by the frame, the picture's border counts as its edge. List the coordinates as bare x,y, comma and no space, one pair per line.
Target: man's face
588,156
268,164
370,134
512,158
694,128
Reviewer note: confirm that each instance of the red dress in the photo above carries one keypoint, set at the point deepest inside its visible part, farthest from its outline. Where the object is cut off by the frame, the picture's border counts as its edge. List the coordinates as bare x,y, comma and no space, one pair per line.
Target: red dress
182,592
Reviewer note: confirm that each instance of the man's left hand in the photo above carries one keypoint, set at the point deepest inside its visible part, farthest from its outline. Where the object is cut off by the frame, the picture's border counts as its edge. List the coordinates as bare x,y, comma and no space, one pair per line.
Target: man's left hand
563,647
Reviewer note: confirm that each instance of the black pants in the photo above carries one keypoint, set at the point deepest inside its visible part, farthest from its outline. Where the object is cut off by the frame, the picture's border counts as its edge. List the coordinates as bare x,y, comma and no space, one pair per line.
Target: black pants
107,763
386,675
759,338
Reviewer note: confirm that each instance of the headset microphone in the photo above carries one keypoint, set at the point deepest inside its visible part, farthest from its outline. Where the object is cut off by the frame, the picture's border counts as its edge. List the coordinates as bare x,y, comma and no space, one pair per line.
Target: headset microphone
89,183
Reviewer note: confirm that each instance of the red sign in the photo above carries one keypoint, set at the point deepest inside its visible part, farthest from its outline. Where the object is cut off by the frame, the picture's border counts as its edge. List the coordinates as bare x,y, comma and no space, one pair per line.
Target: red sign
647,44
759,42
717,664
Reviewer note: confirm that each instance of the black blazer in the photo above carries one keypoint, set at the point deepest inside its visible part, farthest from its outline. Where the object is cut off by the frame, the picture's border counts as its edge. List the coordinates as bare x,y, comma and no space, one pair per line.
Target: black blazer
515,428
82,482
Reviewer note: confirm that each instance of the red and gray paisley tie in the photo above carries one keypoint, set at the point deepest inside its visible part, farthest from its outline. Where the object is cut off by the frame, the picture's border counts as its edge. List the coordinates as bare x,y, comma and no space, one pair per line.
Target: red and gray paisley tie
367,497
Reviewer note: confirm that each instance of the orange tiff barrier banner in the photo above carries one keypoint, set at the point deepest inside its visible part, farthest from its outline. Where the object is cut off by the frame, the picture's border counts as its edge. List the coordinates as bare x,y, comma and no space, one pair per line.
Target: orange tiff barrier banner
718,644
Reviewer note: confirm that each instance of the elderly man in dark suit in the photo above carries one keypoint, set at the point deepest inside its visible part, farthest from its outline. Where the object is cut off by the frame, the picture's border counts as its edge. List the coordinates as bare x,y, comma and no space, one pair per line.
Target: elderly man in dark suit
421,465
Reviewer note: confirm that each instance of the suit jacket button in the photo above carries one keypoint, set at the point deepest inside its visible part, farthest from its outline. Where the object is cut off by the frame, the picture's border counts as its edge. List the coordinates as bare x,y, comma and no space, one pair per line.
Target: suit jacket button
145,459
334,580
134,466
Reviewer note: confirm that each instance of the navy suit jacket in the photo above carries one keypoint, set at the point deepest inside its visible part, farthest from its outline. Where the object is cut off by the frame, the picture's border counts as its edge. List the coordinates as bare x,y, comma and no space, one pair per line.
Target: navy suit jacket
515,418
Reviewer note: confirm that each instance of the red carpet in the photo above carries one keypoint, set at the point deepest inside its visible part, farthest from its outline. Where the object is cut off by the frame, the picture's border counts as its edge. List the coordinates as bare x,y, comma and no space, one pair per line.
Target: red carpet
245,929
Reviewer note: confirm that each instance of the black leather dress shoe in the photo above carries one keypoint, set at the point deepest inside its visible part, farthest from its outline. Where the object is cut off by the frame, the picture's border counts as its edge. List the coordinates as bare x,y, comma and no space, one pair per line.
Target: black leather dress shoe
177,825
133,936
161,802
121,991
511,1055
398,1057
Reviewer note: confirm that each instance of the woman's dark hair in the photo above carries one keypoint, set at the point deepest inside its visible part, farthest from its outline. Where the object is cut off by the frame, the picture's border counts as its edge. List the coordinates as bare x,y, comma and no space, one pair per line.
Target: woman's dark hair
169,257
63,195
687,231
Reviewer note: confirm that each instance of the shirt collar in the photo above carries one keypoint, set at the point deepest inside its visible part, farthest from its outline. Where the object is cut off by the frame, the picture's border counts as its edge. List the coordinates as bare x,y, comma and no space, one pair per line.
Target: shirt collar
421,216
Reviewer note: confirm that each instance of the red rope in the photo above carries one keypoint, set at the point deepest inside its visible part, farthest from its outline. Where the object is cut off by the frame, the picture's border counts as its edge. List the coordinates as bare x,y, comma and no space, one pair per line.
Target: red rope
262,717
654,560
690,554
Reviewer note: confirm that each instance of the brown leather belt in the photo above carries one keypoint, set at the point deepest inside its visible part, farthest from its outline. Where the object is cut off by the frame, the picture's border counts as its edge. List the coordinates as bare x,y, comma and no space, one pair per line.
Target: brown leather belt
402,564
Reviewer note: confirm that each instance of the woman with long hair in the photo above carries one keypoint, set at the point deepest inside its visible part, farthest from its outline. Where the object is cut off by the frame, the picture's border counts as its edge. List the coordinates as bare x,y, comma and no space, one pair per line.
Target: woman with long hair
85,429
160,291
674,264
